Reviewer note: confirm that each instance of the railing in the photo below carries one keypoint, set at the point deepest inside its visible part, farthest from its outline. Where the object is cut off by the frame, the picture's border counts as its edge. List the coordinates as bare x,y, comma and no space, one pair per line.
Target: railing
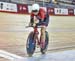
72,2
62,3
29,2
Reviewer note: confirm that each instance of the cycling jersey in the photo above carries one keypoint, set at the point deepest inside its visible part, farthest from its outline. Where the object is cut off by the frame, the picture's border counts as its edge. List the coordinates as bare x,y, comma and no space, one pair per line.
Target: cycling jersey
42,16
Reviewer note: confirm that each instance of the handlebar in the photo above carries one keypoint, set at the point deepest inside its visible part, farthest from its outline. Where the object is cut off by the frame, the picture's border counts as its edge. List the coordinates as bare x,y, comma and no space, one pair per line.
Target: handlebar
33,26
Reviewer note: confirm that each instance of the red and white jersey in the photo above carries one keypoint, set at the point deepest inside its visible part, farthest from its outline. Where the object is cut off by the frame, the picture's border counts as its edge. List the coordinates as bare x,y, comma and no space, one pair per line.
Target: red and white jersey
41,15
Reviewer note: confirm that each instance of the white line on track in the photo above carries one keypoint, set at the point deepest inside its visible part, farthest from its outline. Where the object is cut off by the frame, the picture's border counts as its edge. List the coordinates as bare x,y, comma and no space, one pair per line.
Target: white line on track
9,56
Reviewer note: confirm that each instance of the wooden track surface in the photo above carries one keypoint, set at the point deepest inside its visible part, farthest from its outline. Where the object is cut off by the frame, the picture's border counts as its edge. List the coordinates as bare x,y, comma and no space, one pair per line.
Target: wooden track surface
13,33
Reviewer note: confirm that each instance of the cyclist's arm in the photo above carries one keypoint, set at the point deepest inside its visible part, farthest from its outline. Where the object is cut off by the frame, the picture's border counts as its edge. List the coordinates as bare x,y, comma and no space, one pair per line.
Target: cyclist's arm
31,20
42,13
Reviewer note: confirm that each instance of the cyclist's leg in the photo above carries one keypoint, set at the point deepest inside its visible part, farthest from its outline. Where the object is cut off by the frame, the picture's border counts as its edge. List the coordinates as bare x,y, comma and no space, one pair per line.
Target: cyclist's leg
44,24
43,29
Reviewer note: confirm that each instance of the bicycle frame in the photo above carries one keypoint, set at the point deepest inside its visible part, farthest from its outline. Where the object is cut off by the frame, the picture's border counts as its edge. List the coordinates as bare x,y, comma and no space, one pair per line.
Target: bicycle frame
36,33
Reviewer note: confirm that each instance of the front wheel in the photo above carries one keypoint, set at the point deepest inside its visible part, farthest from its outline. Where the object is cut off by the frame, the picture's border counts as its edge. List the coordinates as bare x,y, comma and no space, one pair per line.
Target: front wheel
43,50
30,45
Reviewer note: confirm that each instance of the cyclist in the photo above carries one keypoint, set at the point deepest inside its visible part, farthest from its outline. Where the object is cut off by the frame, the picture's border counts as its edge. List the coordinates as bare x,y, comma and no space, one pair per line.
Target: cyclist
39,17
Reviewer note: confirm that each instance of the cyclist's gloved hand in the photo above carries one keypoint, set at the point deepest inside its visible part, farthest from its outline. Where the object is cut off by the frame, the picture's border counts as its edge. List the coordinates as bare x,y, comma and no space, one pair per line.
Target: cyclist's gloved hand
34,25
36,20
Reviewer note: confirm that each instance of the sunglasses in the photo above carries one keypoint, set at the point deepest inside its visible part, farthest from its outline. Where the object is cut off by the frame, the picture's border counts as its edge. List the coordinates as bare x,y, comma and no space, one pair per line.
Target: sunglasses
34,10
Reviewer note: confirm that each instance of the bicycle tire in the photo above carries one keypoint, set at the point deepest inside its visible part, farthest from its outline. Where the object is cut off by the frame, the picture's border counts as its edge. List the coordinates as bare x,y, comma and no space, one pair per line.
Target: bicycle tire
30,45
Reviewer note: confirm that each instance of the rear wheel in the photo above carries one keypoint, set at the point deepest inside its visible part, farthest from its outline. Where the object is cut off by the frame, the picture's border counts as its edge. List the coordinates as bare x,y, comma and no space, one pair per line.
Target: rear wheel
30,45
43,50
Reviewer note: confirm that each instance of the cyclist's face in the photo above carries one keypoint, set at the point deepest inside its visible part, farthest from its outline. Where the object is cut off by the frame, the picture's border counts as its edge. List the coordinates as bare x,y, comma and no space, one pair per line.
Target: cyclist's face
35,13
